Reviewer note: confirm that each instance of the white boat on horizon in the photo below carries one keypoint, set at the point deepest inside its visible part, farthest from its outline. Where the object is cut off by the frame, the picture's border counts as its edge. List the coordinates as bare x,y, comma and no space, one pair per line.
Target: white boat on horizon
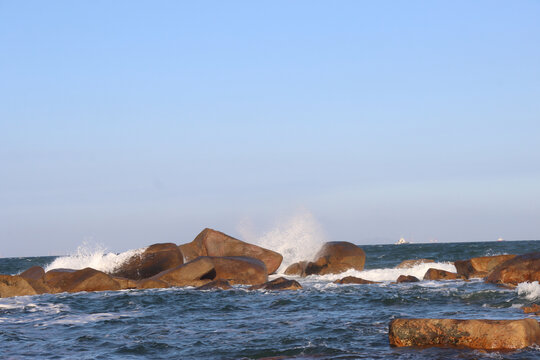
402,241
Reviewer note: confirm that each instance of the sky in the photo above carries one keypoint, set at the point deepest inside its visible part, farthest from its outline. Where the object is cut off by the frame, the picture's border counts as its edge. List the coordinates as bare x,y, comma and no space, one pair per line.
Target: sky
127,123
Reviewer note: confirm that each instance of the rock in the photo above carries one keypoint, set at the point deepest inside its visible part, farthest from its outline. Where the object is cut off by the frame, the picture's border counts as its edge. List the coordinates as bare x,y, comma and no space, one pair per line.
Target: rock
354,280
533,309
298,269
216,284
215,243
479,267
522,268
15,285
474,334
406,279
437,274
125,284
155,259
88,279
235,269
152,284
33,273
336,257
278,284
407,264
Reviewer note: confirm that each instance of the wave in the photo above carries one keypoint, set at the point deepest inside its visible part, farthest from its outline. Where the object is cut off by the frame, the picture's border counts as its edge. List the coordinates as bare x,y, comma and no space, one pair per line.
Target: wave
387,274
529,290
95,256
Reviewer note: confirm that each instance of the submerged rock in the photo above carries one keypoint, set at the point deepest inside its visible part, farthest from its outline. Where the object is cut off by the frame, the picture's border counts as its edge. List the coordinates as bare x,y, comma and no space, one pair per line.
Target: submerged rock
354,280
437,274
280,283
215,243
475,334
155,259
407,264
479,267
216,284
519,269
406,279
533,309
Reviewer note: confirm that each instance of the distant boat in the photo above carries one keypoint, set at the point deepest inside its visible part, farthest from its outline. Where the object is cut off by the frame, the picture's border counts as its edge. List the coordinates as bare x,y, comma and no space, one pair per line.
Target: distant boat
402,241
500,239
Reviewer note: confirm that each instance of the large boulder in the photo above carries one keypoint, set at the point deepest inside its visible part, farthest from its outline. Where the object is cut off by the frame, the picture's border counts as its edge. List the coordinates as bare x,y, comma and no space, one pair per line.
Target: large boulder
35,277
333,258
479,267
475,334
15,285
215,243
88,279
234,269
155,259
407,264
519,269
437,274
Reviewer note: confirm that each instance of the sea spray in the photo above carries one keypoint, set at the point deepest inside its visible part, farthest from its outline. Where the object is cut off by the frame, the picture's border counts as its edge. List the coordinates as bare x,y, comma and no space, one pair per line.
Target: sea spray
298,238
529,290
94,256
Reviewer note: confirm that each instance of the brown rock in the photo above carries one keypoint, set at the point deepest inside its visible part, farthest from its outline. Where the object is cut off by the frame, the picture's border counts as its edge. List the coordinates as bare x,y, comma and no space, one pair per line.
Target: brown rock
189,274
519,269
215,243
406,279
15,285
354,280
336,257
407,264
280,283
125,284
88,279
155,259
216,284
475,334
152,284
437,274
33,273
479,267
533,309
298,269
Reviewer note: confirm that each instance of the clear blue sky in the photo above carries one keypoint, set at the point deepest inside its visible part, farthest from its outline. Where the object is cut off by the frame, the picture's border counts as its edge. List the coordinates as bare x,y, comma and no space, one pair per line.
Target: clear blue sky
134,122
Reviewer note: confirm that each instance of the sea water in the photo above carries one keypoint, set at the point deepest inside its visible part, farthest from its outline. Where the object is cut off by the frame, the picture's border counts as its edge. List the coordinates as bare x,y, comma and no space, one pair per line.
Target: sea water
321,321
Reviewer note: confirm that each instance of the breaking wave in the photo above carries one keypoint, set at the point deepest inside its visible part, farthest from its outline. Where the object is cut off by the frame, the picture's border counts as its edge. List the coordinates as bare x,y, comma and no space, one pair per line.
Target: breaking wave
95,257
529,290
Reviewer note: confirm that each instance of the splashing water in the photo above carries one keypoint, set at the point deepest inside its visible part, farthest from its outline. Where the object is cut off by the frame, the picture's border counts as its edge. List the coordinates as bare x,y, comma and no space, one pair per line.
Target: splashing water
93,256
529,290
297,239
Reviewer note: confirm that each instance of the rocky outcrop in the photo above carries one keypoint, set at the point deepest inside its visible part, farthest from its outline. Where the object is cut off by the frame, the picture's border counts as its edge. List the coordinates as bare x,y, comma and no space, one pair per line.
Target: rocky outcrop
15,285
215,243
216,284
155,259
475,334
333,258
35,277
354,280
437,274
235,269
406,279
533,309
407,264
88,279
280,283
519,269
479,267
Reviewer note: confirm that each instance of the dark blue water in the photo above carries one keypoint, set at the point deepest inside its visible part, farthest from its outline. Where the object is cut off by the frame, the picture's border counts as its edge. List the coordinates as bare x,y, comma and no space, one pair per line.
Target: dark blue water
322,321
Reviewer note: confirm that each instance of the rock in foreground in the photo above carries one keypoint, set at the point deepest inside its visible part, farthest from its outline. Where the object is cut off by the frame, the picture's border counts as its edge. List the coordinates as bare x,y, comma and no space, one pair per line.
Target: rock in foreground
215,243
278,284
474,334
354,280
479,267
407,279
519,269
437,274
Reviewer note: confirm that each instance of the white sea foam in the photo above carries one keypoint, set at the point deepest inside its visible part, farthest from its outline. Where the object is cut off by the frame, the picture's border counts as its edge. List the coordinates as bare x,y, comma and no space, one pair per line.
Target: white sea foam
387,274
529,290
298,238
95,257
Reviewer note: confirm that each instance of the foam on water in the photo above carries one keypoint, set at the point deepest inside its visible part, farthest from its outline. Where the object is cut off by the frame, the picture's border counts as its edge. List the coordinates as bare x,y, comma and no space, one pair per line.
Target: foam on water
529,290
95,257
387,274
298,238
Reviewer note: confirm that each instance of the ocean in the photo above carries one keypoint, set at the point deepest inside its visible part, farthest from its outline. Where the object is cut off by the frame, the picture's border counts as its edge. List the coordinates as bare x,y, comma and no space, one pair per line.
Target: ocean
321,321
